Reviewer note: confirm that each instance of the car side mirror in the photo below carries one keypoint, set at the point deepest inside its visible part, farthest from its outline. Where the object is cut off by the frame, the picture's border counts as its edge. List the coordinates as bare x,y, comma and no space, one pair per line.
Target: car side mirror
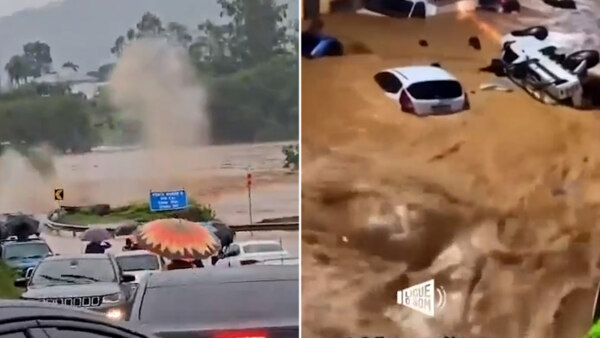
21,283
28,273
127,279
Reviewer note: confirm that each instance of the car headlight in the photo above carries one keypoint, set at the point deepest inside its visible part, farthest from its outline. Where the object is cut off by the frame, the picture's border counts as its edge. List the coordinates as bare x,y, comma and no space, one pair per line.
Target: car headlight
114,314
112,298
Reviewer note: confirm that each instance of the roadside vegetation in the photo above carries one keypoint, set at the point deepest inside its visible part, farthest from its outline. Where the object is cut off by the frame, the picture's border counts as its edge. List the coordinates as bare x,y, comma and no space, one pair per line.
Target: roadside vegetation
594,331
7,279
139,212
248,63
292,156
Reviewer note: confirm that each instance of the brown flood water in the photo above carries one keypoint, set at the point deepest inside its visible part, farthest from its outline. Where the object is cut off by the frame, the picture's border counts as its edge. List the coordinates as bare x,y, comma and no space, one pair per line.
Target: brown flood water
213,175
499,204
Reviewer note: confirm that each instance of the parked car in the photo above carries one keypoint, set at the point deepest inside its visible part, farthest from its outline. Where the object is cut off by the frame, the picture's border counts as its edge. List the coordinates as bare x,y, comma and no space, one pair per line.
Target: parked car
280,261
251,252
139,262
397,8
536,65
423,90
59,321
23,254
250,301
91,281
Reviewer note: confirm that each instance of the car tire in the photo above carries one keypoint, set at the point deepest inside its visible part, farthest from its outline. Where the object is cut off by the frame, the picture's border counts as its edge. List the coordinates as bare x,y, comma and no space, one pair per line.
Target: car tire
591,57
419,11
539,32
511,6
596,309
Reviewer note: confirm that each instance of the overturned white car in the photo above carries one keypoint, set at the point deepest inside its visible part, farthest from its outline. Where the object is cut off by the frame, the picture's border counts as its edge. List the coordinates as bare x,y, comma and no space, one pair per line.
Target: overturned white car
532,62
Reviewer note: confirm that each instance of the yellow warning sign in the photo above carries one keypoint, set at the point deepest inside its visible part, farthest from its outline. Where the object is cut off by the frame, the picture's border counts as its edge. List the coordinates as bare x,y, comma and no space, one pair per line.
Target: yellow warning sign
59,194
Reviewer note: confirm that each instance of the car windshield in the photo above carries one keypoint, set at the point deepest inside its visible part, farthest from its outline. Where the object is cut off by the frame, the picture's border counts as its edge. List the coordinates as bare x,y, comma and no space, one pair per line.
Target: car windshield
25,250
262,247
229,302
73,271
138,262
435,90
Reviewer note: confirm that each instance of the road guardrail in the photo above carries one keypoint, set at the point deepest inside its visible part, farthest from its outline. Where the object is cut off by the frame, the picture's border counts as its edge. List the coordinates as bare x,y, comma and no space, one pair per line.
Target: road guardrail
286,226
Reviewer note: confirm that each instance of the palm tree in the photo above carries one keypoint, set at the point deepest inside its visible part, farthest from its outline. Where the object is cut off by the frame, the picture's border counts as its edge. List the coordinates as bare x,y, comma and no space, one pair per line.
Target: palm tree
71,65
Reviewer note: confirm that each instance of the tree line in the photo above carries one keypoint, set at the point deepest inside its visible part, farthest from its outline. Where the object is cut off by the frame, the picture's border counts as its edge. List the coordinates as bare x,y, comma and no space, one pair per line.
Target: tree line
249,63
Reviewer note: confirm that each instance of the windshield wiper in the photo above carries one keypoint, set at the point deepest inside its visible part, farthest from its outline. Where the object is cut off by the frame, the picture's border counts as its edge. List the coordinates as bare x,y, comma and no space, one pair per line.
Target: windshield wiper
58,279
81,277
34,256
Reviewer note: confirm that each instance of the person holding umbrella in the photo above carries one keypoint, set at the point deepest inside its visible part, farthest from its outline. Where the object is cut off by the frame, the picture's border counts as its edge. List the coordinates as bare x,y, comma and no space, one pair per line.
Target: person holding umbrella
225,234
181,241
130,245
21,226
97,247
97,238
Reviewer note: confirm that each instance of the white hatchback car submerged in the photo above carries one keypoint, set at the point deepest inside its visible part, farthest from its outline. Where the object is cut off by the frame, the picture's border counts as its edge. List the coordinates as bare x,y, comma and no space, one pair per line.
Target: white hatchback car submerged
252,252
423,90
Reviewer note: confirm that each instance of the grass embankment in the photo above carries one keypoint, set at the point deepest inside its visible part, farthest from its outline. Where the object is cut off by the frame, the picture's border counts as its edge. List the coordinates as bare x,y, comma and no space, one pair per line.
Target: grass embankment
139,212
7,288
594,331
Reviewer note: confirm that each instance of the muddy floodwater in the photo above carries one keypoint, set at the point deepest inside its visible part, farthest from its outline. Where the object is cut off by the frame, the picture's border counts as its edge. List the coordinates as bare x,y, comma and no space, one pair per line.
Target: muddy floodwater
214,175
499,204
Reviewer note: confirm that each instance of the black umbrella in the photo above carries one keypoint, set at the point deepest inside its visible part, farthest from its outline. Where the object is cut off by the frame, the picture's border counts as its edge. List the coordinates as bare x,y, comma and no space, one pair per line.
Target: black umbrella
126,229
22,226
224,233
96,235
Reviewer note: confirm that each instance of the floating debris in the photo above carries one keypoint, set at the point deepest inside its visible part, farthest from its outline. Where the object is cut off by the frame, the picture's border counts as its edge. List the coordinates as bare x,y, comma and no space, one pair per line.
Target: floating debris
475,43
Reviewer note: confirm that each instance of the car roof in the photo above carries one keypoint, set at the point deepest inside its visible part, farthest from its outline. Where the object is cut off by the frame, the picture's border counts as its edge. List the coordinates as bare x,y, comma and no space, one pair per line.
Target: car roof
22,242
78,256
135,253
413,74
32,310
217,276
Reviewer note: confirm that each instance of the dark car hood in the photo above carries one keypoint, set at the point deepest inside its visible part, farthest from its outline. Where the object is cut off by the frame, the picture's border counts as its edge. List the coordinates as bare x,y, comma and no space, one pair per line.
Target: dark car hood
73,290
23,263
208,329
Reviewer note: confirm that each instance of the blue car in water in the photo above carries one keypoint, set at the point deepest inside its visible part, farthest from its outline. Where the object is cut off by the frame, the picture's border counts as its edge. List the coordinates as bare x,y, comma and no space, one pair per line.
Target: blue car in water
318,45
22,254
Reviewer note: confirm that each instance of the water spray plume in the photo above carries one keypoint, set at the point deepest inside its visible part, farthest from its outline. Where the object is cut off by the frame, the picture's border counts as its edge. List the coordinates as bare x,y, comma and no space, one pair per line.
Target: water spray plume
154,82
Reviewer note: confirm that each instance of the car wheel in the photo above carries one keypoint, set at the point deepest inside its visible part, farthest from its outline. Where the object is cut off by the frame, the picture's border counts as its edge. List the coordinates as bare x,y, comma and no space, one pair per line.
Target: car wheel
539,32
591,57
596,310
511,6
419,11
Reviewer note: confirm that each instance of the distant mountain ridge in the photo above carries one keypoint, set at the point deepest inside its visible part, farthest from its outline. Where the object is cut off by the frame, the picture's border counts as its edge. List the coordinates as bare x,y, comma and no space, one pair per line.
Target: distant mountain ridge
83,31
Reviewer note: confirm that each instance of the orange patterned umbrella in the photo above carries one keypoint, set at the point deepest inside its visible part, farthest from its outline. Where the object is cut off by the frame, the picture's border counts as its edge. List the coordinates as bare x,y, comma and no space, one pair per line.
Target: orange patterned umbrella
177,239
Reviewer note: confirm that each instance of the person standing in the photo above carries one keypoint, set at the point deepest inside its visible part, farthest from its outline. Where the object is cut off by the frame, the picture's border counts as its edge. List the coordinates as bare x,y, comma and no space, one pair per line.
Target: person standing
97,247
130,245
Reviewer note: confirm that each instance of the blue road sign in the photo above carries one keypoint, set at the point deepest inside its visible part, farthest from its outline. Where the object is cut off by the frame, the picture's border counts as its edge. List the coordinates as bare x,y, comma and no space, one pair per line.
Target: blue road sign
168,200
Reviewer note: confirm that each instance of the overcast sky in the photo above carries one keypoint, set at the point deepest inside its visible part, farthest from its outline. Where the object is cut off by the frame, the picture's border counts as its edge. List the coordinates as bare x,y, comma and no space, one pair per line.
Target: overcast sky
9,7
